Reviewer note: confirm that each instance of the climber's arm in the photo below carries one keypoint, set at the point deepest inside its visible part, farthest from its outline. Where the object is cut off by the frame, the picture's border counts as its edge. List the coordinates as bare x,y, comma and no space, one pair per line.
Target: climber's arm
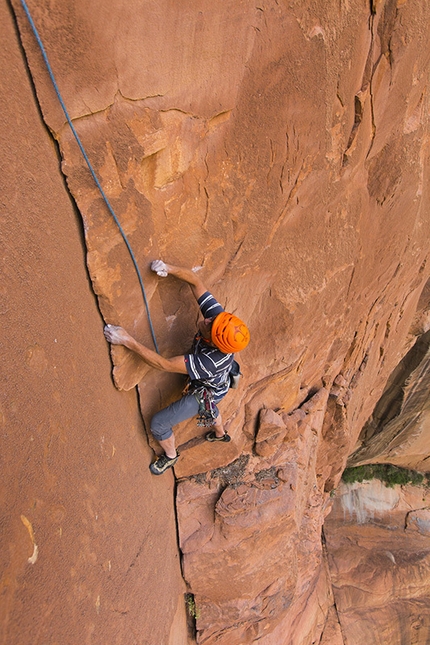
182,273
118,336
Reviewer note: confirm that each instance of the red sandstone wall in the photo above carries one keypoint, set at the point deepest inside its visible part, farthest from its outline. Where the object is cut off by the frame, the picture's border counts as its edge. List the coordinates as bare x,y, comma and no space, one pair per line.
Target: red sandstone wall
377,542
88,539
284,149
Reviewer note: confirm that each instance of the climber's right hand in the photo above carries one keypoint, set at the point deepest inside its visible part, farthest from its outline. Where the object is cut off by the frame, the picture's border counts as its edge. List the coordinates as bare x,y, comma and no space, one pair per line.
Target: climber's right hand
117,335
160,268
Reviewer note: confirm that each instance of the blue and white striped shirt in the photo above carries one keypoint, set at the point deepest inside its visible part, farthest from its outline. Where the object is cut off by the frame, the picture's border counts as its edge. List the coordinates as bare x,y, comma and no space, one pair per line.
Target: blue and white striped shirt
206,363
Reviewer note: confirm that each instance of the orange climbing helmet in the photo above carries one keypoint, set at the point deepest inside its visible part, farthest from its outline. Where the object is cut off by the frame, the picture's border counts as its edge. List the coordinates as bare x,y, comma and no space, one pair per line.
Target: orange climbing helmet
229,333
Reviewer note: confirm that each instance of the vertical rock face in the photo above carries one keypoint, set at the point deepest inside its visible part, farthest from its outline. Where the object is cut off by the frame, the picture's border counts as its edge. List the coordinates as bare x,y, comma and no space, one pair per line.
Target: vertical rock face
83,525
398,430
377,541
250,536
282,150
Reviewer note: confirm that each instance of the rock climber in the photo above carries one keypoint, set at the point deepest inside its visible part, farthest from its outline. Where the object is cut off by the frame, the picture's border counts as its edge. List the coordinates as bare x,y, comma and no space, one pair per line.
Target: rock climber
207,364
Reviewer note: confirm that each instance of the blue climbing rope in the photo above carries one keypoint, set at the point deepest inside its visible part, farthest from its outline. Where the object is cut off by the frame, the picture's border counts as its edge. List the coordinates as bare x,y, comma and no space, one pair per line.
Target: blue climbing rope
91,169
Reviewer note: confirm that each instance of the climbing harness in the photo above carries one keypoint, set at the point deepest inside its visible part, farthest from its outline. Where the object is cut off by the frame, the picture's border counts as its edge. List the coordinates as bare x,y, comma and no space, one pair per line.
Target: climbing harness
207,412
207,408
90,167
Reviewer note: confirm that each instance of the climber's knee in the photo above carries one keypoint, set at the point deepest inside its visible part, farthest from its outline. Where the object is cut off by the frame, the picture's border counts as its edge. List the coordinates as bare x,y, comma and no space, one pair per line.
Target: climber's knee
162,422
160,427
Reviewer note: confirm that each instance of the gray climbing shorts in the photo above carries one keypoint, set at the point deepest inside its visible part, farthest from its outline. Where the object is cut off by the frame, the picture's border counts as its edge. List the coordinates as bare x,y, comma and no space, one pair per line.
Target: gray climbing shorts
162,422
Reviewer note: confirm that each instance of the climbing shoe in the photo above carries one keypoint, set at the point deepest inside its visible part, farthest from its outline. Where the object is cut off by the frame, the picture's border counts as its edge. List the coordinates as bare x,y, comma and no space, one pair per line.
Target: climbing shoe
163,463
211,436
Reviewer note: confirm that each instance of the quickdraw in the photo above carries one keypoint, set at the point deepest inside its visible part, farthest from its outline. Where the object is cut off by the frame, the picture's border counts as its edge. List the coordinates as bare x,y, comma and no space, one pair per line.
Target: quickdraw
207,412
207,408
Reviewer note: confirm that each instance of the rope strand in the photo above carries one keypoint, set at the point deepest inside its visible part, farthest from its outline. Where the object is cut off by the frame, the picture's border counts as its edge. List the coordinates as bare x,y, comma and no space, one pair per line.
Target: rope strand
90,167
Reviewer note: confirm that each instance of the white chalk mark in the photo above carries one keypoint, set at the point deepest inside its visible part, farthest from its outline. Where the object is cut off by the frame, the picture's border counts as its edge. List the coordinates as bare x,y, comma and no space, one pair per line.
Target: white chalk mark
33,558
390,556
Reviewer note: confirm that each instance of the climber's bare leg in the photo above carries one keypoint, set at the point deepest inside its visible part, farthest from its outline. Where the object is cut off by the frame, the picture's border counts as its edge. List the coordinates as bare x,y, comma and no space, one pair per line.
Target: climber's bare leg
169,446
219,426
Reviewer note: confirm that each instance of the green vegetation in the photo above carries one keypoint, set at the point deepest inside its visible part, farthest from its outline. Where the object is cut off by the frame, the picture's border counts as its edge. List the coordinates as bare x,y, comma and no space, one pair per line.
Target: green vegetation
386,473
191,606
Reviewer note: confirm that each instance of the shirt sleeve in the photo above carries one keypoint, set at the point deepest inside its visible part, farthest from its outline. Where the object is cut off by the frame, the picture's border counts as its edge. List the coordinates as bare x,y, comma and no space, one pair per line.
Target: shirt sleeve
209,306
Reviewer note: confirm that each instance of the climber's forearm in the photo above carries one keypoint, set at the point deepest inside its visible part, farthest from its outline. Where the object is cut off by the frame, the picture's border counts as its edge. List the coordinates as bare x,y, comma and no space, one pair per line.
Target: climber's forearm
118,336
188,276
148,355
151,358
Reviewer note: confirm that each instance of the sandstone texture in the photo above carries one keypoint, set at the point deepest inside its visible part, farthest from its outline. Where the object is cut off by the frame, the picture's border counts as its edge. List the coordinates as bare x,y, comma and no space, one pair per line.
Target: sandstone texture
377,542
281,150
83,525
398,429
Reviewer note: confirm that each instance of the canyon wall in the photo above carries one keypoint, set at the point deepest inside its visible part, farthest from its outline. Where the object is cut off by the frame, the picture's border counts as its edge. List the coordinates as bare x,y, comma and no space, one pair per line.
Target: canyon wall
281,149
377,545
84,528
